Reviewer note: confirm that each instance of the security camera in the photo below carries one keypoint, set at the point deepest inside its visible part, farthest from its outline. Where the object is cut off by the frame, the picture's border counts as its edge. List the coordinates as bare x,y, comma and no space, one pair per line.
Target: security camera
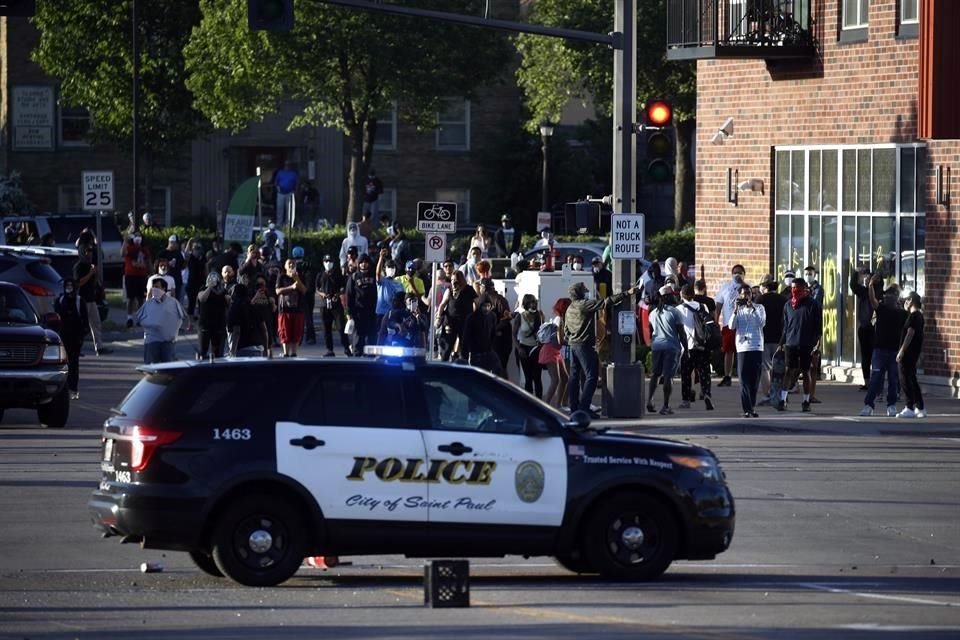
717,138
754,184
727,128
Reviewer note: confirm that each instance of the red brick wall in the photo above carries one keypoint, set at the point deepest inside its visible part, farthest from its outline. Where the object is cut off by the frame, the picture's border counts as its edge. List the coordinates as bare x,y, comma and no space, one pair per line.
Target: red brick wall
859,93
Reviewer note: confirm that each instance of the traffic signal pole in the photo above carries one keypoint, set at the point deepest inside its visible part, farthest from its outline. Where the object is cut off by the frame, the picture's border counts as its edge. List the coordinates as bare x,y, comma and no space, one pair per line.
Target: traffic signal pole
624,389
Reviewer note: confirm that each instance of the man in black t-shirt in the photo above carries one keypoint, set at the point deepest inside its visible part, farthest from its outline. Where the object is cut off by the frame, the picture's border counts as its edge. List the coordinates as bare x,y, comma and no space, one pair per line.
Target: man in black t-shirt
772,303
85,275
908,357
890,320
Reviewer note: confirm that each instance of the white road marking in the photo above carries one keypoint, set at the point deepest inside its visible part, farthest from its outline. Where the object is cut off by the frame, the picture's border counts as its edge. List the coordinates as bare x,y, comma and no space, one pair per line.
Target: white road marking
895,628
877,596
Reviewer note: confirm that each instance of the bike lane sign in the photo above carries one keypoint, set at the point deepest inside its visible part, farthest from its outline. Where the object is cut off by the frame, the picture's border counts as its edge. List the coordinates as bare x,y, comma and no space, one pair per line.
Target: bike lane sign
437,217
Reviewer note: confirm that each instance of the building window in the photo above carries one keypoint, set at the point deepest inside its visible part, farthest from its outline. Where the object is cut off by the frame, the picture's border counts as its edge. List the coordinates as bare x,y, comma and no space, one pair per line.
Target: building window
854,21
160,205
387,204
386,137
69,198
880,191
459,196
453,125
74,126
908,18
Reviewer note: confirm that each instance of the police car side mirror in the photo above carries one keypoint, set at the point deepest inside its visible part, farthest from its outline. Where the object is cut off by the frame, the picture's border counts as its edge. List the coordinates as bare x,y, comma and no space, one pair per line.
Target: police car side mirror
578,420
535,428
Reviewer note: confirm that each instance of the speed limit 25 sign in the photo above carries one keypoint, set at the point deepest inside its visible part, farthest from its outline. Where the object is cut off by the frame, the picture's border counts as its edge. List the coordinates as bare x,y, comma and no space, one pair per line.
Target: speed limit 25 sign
97,189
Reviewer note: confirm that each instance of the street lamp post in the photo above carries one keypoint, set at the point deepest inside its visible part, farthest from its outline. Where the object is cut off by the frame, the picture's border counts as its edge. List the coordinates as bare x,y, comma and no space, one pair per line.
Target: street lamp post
546,130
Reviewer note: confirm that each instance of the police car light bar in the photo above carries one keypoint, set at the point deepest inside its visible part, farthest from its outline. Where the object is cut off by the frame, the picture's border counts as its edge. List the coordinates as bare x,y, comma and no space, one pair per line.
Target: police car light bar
394,352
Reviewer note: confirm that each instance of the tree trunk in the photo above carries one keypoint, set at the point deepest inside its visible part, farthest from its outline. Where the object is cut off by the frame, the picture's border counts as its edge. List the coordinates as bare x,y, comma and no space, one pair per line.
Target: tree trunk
355,179
684,201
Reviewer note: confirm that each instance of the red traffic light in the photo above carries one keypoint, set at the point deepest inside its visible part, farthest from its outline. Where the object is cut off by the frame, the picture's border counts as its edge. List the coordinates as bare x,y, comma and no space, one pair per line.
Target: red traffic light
658,114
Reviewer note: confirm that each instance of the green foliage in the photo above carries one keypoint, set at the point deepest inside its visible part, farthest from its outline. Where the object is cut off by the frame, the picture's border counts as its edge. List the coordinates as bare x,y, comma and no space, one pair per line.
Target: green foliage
553,70
342,68
678,244
87,46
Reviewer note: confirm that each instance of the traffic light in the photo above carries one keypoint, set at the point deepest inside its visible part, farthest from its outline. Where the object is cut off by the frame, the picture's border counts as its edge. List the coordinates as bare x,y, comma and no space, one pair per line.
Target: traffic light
658,126
270,15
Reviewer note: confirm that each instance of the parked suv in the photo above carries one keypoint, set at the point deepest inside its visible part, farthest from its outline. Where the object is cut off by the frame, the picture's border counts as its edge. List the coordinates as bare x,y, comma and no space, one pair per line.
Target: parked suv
33,362
66,228
33,273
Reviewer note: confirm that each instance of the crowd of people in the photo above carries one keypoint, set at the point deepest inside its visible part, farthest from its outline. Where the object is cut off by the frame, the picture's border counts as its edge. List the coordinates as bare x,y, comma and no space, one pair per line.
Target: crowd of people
257,302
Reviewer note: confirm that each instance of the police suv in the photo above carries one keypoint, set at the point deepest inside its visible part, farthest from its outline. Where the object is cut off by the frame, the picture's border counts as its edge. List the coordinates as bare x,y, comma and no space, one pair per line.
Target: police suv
251,465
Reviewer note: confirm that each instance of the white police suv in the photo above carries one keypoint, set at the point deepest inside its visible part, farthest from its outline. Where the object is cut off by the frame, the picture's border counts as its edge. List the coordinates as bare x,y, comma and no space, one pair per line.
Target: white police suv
251,465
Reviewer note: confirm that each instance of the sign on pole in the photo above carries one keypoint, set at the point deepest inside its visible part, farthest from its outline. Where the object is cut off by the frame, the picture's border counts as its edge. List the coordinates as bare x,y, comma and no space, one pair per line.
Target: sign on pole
543,220
627,237
437,217
436,244
97,189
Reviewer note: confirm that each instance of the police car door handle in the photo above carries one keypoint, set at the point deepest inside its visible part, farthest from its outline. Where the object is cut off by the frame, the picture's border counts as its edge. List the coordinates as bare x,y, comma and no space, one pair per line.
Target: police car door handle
307,442
455,448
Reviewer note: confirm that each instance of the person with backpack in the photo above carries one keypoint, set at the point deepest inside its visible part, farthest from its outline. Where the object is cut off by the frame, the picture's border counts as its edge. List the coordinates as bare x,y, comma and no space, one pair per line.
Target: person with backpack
669,340
526,329
747,322
551,357
698,324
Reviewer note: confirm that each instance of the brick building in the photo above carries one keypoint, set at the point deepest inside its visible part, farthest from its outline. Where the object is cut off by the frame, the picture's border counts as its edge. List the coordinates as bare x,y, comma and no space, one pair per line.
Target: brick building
846,131
46,144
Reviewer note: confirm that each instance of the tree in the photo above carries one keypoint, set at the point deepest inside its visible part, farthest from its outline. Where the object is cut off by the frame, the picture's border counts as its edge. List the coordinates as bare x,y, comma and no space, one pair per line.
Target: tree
342,68
87,46
554,71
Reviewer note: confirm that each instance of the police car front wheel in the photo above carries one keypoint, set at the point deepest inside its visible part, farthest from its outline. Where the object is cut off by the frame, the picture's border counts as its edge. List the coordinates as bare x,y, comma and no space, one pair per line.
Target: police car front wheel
205,563
259,541
631,536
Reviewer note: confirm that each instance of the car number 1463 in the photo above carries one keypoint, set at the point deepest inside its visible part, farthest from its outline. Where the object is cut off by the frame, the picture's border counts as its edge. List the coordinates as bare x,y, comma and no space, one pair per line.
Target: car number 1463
231,434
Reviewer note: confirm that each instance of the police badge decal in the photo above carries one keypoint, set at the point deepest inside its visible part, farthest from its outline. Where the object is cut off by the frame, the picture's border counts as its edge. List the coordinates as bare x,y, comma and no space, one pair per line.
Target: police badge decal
529,481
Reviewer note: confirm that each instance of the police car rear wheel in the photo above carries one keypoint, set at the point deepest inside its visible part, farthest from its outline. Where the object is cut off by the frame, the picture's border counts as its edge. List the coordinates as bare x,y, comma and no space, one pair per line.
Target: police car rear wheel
631,537
259,541
577,564
205,563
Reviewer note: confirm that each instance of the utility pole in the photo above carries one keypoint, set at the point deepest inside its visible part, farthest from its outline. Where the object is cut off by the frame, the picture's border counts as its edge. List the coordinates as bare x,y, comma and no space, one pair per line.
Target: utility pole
136,109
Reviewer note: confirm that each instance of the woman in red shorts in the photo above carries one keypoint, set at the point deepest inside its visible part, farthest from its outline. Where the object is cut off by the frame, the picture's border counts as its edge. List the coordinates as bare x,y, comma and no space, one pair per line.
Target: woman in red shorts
290,319
551,357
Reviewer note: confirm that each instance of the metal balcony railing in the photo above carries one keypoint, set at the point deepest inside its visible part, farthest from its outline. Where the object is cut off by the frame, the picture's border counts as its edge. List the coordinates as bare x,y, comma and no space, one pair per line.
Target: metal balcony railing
739,29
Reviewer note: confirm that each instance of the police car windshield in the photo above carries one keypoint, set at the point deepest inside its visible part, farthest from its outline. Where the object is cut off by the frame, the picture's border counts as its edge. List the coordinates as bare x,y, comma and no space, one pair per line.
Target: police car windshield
509,387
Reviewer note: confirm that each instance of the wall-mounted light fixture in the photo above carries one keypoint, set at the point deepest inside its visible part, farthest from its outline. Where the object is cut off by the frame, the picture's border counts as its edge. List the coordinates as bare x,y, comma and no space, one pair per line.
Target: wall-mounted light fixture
753,184
732,176
943,185
724,132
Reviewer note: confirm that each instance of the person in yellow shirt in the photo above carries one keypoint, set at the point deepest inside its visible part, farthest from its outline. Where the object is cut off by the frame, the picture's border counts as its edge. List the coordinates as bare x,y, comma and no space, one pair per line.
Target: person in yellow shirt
412,283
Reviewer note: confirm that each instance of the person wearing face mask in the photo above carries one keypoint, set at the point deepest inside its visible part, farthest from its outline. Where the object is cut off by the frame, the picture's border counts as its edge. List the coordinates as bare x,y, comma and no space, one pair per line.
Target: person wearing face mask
160,317
237,310
163,271
908,357
802,328
212,303
469,268
602,278
577,264
353,239
85,277
727,303
196,274
173,256
399,326
786,283
136,268
73,327
859,280
398,245
546,239
478,336
668,343
412,283
816,294
329,286
458,303
387,284
526,324
506,239
747,322
361,292
290,322
891,317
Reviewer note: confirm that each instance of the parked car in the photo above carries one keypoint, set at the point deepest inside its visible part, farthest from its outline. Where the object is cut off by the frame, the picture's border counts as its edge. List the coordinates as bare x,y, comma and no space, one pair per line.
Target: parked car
33,362
60,258
67,227
33,274
588,250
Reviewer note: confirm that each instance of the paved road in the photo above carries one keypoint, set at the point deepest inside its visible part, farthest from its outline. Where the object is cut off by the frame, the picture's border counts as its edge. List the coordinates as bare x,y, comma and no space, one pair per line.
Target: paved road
846,528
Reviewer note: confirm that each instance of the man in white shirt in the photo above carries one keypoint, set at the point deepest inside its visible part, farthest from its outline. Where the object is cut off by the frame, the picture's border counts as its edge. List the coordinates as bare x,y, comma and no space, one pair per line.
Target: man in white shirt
747,321
726,305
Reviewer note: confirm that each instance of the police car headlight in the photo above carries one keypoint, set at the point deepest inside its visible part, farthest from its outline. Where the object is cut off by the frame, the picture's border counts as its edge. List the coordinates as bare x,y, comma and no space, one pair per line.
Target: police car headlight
54,353
708,467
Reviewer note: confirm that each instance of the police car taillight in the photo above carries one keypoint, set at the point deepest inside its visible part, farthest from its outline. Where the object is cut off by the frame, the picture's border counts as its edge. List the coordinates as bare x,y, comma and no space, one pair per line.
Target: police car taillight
144,442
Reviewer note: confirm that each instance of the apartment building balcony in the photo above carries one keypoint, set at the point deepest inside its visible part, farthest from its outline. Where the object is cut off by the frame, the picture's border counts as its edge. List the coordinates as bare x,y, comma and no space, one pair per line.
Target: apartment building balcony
740,29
